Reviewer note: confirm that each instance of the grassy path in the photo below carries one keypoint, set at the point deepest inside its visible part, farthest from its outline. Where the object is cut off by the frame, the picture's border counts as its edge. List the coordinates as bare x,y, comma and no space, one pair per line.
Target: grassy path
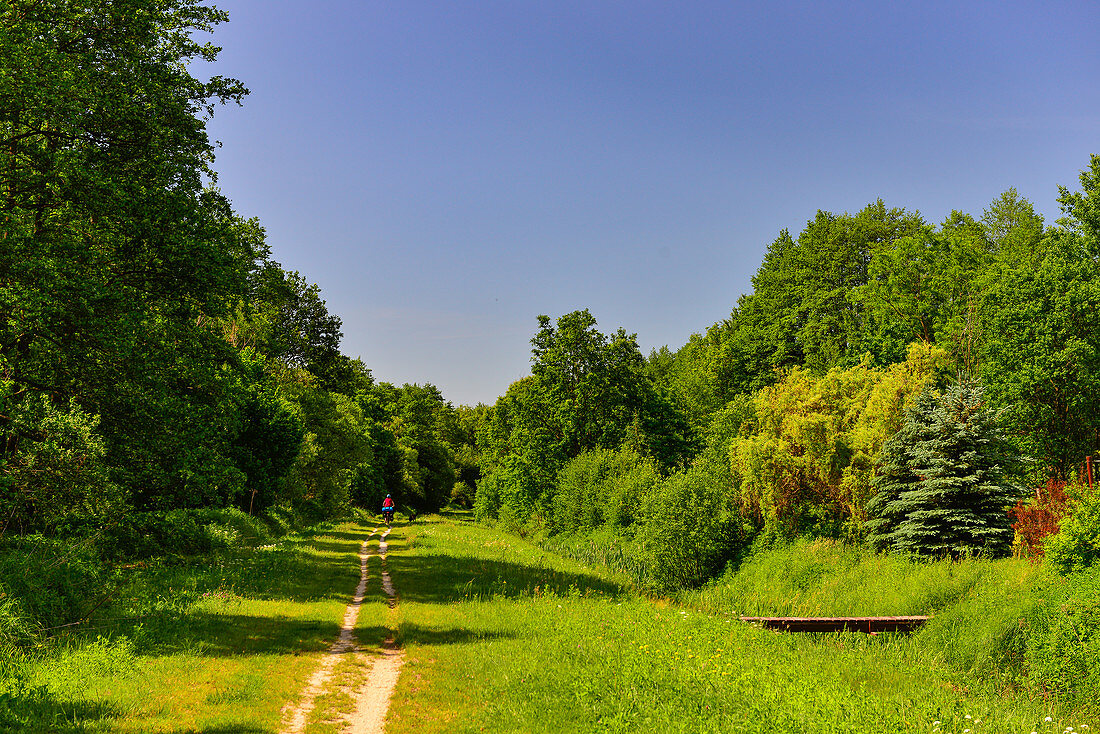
229,650
497,635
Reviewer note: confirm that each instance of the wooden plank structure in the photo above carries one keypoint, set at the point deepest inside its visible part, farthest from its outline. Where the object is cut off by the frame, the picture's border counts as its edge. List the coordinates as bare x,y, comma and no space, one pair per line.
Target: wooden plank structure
836,624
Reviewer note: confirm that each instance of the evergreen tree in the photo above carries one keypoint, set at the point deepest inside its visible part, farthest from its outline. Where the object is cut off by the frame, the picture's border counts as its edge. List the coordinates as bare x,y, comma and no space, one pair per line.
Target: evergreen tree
895,473
943,480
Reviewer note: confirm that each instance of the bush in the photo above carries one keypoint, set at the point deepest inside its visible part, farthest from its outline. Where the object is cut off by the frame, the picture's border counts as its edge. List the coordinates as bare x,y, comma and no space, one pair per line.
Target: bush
602,487
487,500
1038,517
48,582
1076,545
56,473
692,526
246,529
1063,649
462,494
281,520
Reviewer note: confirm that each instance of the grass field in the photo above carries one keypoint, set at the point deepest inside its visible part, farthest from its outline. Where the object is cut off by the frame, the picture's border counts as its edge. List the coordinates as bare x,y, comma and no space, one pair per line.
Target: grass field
503,636
223,649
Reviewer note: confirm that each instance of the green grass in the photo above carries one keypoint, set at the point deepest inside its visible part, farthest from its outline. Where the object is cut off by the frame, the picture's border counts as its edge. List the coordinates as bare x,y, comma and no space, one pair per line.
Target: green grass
502,636
208,645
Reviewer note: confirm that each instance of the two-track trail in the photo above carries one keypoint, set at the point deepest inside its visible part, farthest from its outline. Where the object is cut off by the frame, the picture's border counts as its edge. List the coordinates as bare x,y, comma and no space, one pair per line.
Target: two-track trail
372,699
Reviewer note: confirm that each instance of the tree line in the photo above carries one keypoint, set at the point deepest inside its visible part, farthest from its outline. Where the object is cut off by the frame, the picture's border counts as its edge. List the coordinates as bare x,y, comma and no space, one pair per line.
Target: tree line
887,380
154,358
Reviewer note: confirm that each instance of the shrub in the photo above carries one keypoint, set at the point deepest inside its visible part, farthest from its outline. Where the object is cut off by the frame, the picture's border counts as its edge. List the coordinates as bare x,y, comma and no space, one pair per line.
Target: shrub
1076,545
282,519
1037,517
692,526
487,499
602,487
53,470
462,494
54,582
1063,649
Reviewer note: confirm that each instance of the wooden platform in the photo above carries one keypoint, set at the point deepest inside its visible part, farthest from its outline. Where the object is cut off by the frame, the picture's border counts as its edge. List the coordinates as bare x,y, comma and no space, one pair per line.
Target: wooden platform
836,624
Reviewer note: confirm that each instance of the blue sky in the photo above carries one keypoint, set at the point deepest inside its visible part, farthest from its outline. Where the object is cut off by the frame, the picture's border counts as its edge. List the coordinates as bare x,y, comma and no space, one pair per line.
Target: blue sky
446,171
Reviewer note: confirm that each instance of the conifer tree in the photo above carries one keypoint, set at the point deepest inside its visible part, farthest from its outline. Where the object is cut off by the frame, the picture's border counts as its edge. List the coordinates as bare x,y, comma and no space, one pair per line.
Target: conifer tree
943,487
895,473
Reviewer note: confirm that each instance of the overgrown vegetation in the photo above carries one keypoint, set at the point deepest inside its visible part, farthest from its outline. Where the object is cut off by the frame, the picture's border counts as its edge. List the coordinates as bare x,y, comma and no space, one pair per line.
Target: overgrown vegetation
163,382
501,635
216,642
889,383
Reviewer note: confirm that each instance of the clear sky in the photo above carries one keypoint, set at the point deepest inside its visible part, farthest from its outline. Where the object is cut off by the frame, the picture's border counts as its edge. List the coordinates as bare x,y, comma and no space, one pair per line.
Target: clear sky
446,171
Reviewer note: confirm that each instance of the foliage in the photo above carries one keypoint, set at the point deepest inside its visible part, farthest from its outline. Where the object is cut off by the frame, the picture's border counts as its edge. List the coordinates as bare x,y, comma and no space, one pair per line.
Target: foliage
1037,517
599,392
606,659
802,312
334,449
266,448
1063,646
588,392
293,326
603,487
117,255
1076,544
58,472
692,526
805,460
944,480
1042,357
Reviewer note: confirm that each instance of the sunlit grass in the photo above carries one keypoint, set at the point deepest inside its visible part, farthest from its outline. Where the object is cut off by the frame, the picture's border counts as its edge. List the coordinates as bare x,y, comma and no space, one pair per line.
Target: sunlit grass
510,638
225,647
501,635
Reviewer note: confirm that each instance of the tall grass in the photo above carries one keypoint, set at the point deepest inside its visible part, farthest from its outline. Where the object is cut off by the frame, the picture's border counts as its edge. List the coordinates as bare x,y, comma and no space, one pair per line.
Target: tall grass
1009,622
547,646
828,578
214,642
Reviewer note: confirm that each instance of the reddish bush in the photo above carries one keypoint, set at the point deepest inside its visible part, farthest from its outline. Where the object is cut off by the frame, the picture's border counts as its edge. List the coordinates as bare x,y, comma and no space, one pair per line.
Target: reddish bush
1038,516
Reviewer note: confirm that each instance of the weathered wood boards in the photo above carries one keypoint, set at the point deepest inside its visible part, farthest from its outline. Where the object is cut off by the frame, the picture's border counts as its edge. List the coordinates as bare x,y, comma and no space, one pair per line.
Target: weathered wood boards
836,624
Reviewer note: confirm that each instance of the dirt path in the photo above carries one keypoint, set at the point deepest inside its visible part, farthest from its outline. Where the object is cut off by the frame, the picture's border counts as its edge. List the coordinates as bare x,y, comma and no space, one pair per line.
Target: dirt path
373,698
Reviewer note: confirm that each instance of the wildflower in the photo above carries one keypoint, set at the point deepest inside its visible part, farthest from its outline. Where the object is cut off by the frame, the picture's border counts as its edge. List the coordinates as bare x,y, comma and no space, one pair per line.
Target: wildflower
967,716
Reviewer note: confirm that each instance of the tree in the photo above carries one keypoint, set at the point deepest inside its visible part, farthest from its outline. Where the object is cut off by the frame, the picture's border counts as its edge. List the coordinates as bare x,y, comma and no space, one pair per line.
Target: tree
804,310
1081,209
804,460
894,471
600,390
292,325
1041,355
945,485
117,258
1013,227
